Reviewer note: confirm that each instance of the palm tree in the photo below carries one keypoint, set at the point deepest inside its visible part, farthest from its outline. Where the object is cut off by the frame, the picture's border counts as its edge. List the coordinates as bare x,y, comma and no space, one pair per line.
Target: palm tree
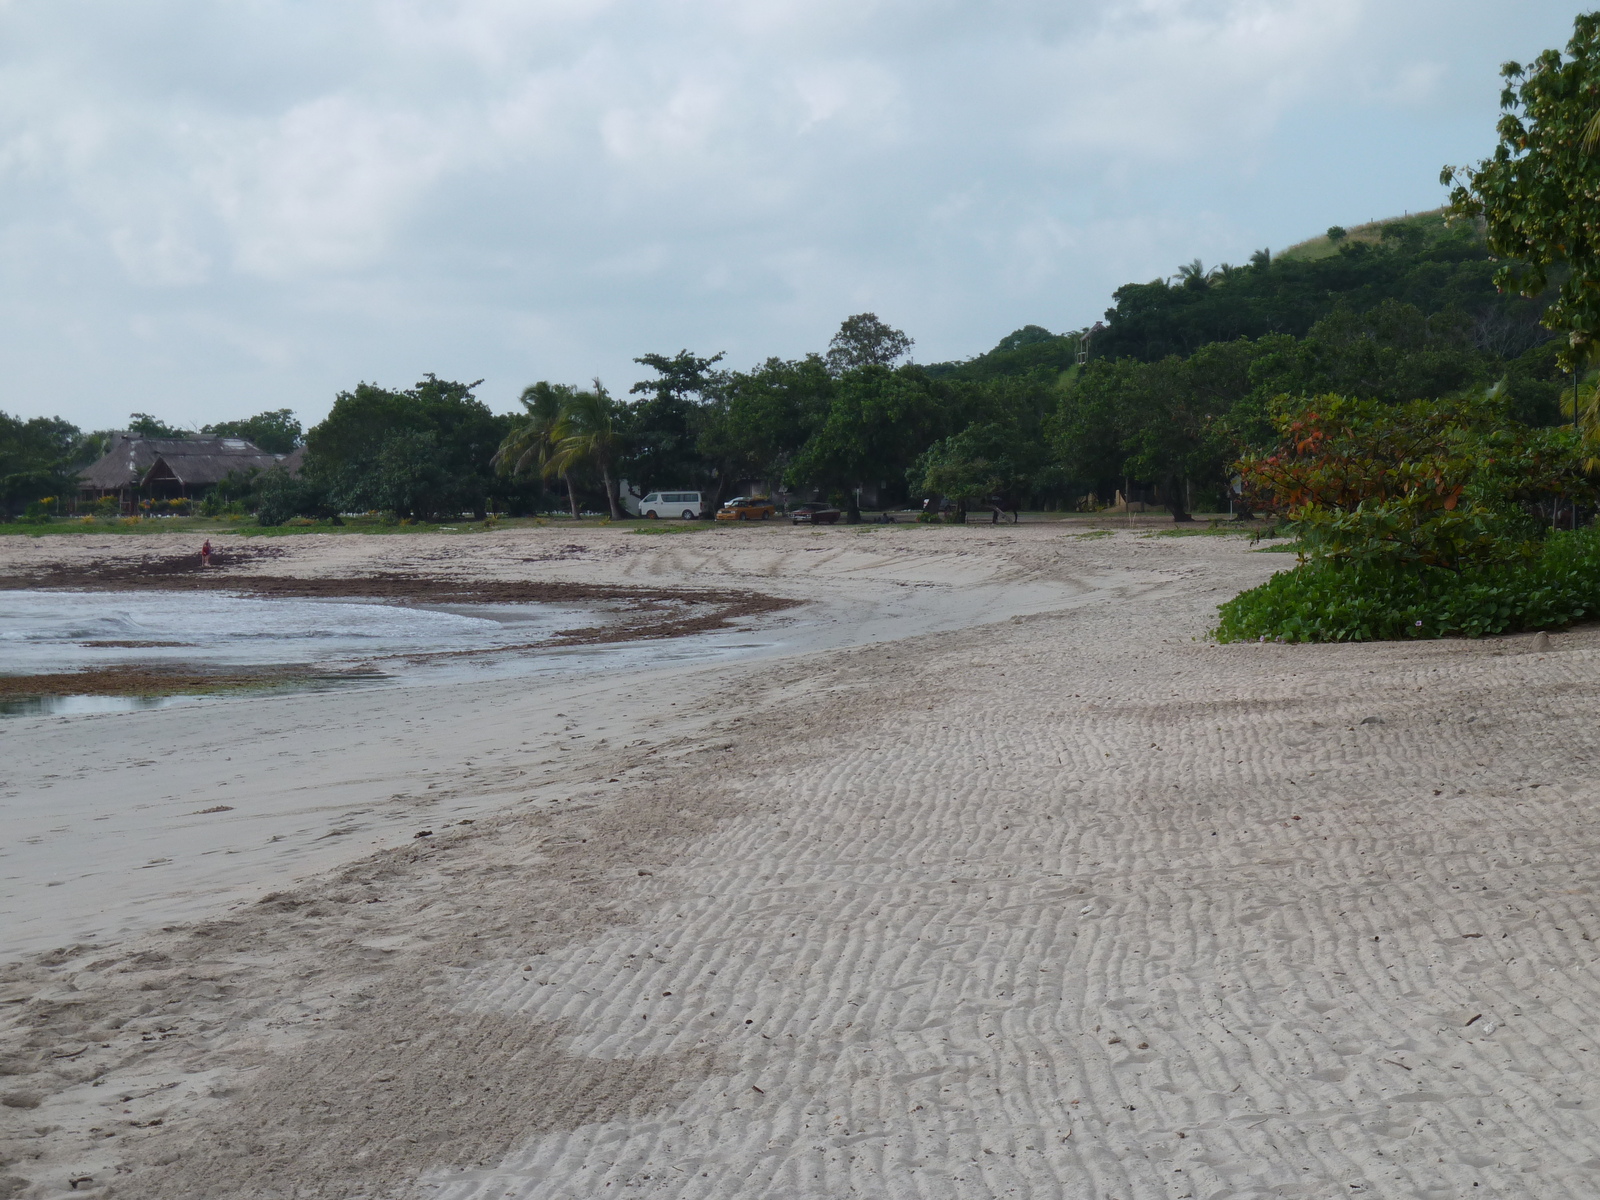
1194,275
591,435
533,445
1586,417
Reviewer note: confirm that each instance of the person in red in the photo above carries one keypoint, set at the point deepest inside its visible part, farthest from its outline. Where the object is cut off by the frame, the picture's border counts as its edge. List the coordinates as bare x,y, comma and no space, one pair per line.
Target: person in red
205,554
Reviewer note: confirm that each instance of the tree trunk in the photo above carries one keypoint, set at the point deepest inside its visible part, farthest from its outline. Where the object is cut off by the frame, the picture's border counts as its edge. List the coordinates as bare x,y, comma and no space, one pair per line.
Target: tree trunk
853,508
611,493
1175,488
572,497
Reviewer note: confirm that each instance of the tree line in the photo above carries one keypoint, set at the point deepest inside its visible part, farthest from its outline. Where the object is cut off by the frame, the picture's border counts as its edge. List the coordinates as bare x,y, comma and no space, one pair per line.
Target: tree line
1157,402
1456,514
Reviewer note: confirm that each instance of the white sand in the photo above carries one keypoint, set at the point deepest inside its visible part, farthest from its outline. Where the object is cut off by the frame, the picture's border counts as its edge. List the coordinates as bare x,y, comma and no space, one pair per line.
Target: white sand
985,874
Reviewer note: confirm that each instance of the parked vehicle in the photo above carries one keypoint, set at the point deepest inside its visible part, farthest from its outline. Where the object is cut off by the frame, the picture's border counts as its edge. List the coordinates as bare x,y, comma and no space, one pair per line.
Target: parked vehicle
746,508
670,504
814,514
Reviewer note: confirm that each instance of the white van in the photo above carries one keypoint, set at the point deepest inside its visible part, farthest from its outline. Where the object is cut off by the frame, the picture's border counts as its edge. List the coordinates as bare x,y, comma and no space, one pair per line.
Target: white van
670,504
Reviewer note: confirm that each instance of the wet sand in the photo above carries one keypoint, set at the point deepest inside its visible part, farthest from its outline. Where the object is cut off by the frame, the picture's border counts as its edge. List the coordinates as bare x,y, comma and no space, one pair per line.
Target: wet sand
990,876
151,681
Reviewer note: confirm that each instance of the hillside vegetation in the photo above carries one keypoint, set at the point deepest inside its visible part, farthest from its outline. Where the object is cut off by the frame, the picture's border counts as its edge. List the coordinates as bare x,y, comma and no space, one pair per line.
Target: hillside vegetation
1156,401
1434,223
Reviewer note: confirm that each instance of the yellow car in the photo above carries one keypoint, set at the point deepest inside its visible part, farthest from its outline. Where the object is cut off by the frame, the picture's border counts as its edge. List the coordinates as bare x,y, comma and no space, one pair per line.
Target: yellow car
746,508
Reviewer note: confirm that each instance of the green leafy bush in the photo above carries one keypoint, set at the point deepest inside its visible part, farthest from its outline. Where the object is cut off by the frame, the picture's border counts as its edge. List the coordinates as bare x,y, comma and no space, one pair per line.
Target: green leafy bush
1417,520
1328,600
1435,483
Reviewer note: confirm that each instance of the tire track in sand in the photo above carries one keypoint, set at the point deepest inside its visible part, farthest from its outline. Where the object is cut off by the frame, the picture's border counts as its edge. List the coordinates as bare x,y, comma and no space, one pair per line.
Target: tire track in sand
1195,931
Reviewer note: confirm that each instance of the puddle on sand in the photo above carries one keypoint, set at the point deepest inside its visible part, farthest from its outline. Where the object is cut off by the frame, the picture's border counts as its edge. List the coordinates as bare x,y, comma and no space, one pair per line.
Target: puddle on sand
44,632
333,643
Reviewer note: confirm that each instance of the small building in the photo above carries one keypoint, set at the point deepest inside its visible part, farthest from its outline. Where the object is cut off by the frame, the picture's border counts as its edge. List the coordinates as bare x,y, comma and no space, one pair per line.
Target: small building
140,468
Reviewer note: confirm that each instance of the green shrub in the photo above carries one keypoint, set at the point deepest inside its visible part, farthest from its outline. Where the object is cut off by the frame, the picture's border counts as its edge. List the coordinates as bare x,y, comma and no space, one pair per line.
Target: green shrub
1327,600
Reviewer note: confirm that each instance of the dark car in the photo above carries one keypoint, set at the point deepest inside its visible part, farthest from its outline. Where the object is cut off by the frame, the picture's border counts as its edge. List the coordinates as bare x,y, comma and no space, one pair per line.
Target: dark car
814,514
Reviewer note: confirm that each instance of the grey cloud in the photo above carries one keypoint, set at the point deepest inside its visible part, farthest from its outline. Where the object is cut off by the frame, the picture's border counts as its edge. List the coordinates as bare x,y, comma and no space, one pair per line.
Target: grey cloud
216,208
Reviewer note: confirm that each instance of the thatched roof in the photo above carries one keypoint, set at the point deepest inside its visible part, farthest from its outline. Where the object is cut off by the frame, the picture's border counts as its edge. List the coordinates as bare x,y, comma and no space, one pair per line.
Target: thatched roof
194,469
195,460
293,461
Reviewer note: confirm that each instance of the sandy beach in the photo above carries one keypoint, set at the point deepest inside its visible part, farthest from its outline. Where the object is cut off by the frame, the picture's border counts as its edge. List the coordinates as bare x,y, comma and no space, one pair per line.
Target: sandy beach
977,870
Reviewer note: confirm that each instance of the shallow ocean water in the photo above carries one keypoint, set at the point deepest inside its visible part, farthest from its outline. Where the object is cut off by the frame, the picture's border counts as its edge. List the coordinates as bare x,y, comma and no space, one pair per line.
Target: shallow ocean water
56,631
46,632
346,642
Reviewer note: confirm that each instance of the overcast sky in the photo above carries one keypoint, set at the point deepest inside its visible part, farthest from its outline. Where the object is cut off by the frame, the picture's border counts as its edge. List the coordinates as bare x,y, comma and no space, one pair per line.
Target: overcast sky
213,208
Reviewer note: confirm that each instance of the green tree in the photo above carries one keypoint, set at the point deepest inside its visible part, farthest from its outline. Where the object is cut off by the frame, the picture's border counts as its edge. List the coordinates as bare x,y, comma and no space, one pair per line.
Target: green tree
1172,422
39,457
878,422
1194,276
1031,350
663,428
1426,264
369,450
590,433
862,341
996,461
1539,192
277,496
411,475
532,445
1028,335
1537,390
759,420
958,470
144,425
1175,438
276,432
1391,353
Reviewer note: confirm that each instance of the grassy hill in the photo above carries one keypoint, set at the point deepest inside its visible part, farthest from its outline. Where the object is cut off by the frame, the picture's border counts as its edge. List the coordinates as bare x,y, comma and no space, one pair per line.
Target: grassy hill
1431,223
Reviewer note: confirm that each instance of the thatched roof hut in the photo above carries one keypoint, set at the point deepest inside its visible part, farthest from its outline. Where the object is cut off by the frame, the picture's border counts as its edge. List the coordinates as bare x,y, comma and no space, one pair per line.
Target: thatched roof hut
171,465
188,471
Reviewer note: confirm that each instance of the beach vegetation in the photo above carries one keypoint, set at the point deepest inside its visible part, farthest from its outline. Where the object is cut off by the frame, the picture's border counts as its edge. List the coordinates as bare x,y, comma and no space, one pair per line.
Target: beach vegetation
655,529
39,458
1427,519
276,432
145,425
1325,600
422,452
1538,192
592,436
